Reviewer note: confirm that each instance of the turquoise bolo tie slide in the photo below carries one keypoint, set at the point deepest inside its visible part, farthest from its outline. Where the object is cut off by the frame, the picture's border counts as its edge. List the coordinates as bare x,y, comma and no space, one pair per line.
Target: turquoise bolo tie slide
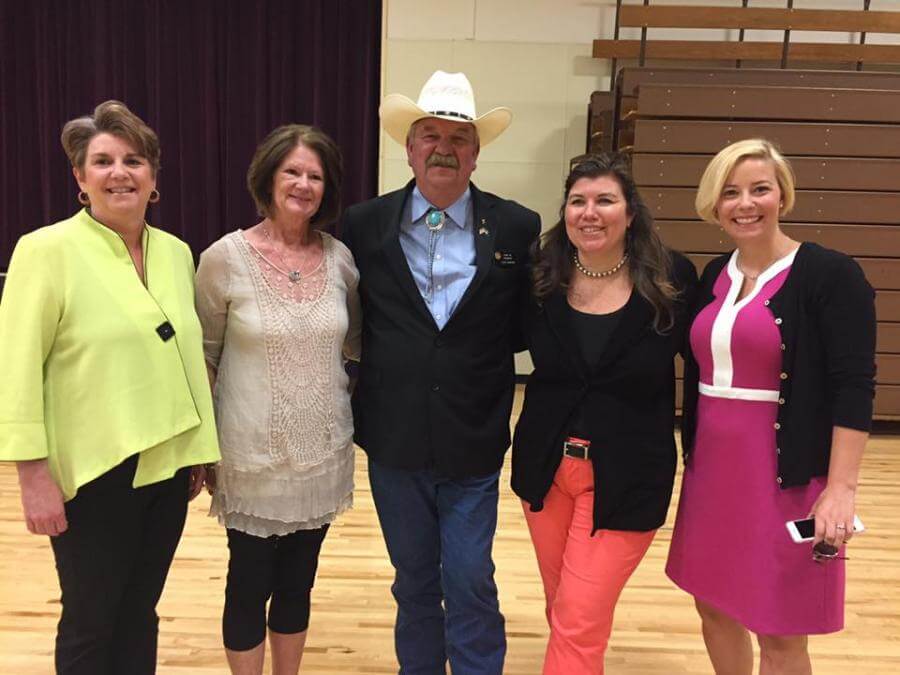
435,220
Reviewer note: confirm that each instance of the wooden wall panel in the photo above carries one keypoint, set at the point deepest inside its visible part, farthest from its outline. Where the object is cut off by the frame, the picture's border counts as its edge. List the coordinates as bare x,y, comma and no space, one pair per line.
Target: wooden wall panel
882,273
708,50
629,79
888,337
601,124
765,18
766,103
887,305
887,402
888,368
794,138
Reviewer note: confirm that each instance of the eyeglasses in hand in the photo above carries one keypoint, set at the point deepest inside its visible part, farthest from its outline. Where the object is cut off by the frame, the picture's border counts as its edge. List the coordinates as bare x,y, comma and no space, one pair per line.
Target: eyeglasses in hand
824,552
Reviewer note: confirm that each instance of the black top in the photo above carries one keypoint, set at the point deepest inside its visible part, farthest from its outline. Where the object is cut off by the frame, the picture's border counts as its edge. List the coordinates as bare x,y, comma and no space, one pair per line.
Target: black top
592,332
630,399
827,312
426,397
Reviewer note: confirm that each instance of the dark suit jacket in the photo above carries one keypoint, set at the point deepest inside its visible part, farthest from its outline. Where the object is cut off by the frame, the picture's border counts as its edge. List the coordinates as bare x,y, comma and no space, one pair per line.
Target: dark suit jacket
629,399
429,398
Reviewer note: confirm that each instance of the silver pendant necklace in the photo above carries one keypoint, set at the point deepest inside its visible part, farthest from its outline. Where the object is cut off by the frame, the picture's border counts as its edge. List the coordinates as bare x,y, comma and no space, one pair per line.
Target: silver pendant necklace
598,275
293,275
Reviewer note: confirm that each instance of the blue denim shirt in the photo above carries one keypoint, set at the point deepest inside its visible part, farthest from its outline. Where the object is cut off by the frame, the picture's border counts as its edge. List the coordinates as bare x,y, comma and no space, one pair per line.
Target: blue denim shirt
454,253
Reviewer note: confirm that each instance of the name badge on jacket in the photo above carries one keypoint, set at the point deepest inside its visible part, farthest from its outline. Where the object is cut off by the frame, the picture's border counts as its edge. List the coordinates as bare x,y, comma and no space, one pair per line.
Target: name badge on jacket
505,258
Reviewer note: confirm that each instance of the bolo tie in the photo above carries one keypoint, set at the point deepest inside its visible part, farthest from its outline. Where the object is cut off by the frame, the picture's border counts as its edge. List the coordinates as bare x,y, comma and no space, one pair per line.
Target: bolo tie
434,221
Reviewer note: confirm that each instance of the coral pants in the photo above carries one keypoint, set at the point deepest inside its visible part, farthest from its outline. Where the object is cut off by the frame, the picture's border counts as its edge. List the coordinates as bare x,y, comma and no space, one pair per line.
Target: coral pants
583,575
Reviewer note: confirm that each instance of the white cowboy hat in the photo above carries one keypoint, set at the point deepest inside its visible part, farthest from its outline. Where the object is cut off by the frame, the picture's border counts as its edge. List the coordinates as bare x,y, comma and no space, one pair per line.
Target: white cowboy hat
448,96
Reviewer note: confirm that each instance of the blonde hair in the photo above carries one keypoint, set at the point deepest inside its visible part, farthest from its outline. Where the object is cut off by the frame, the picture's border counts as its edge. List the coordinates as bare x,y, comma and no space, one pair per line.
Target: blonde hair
721,166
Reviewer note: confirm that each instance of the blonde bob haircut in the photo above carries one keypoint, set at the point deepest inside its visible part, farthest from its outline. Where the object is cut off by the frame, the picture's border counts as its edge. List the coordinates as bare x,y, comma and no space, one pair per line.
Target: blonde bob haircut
721,166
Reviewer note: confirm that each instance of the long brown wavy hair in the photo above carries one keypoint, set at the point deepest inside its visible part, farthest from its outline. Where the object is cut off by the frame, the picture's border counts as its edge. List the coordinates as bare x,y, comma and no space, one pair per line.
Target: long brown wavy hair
649,261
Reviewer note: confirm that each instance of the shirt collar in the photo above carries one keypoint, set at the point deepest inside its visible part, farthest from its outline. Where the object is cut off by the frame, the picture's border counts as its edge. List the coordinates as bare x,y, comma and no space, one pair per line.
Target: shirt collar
110,236
457,210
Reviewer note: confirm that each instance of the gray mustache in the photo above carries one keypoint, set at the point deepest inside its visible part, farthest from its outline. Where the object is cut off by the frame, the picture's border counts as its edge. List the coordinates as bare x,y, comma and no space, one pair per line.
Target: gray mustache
448,161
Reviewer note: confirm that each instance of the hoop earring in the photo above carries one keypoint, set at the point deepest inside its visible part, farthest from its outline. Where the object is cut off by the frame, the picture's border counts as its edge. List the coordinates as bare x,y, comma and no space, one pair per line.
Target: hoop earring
83,198
154,196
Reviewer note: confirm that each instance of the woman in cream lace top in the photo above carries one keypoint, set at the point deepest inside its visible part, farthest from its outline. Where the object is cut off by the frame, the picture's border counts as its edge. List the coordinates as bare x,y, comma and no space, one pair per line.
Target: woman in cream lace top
280,312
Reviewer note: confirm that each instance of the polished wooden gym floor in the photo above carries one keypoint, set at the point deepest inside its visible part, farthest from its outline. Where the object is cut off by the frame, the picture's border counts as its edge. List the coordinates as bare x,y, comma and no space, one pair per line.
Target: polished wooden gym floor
656,629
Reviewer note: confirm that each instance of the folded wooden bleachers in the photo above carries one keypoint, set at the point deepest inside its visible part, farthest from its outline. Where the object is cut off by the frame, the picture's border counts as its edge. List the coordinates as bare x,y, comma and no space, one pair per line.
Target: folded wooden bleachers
839,128
730,16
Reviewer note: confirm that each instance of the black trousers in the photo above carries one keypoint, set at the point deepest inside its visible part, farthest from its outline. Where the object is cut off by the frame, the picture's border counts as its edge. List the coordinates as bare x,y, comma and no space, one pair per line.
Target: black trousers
282,568
112,563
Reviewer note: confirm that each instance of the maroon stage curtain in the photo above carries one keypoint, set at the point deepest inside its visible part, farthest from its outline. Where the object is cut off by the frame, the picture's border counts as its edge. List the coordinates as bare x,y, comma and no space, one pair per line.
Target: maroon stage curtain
211,77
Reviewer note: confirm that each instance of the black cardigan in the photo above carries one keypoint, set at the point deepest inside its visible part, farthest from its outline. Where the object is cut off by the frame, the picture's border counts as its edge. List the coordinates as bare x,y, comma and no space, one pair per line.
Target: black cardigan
827,324
631,395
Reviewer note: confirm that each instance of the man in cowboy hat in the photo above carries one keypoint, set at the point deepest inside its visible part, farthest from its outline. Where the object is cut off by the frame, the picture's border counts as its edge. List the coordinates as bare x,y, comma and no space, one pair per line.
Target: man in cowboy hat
443,270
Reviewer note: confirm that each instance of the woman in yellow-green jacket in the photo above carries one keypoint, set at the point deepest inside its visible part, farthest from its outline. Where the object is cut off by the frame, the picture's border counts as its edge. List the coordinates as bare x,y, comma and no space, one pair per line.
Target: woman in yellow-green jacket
104,402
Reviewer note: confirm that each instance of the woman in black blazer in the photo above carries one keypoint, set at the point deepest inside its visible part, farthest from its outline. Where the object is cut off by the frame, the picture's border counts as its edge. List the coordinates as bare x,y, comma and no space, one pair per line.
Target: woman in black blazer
594,454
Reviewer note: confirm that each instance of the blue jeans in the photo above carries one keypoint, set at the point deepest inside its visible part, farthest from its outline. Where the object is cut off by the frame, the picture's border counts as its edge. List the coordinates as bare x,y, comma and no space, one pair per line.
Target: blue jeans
439,533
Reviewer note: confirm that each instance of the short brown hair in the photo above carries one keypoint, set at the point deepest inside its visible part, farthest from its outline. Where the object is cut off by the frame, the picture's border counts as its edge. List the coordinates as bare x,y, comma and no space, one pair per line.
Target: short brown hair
720,167
271,153
110,117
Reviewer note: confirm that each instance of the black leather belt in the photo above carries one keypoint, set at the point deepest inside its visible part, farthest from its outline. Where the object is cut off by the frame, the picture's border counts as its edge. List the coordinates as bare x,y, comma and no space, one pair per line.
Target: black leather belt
577,447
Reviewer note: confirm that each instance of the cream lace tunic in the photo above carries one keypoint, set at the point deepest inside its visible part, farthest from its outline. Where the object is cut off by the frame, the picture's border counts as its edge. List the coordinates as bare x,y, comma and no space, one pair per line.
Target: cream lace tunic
281,398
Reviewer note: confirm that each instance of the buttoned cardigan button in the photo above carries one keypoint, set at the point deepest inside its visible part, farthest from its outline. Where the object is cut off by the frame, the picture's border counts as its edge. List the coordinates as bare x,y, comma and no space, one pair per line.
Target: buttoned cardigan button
778,480
781,401
783,376
777,426
778,321
766,303
777,451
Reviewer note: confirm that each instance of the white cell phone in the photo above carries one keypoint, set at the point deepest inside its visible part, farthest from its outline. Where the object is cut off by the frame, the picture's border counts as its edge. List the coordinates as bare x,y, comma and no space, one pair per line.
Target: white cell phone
805,529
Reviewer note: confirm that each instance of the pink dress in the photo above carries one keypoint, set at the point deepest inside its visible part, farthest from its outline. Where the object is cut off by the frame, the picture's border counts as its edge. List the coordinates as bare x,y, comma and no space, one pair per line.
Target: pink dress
730,548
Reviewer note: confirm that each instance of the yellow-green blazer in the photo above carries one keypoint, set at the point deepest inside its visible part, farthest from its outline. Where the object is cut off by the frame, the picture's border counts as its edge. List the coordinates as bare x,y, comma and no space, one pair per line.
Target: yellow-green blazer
87,380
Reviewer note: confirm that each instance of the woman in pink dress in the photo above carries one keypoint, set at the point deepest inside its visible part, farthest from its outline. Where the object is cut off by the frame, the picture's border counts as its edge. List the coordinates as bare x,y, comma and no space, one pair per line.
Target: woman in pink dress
779,382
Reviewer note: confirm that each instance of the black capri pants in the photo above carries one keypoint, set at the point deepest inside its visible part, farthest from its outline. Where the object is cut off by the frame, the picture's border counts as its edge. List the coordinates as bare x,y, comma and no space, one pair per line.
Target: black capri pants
282,568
